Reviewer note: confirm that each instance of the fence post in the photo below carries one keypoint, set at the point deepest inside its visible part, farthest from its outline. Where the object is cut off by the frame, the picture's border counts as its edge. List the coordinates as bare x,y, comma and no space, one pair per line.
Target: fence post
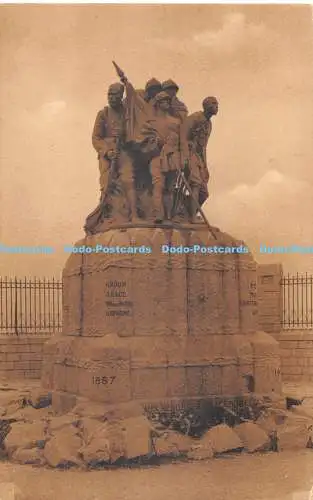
270,298
15,308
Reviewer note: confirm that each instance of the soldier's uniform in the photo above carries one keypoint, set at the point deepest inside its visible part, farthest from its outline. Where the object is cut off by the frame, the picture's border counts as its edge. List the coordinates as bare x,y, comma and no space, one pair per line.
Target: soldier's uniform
178,108
198,178
108,134
164,145
198,127
197,130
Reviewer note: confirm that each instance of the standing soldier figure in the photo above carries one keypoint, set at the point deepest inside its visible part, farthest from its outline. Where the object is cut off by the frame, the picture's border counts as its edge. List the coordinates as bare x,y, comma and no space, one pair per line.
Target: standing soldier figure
178,108
152,88
108,139
198,128
108,134
197,177
159,139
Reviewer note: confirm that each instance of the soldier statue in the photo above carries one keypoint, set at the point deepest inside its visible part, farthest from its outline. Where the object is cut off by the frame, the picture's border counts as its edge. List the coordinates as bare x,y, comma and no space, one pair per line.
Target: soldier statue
115,166
160,137
177,107
198,128
148,147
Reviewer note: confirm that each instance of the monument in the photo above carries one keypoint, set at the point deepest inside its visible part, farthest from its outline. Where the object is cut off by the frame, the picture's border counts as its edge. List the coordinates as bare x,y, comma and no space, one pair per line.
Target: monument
159,307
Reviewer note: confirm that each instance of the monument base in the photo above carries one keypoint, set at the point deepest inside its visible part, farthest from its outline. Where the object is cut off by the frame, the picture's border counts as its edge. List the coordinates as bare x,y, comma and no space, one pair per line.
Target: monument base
160,326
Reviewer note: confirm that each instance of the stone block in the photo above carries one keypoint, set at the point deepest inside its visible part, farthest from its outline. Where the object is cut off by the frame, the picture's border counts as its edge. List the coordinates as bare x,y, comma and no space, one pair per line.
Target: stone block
137,434
172,444
253,437
222,439
176,382
114,433
25,435
29,414
231,380
59,422
97,451
194,381
62,450
63,402
71,379
212,380
293,435
12,357
149,383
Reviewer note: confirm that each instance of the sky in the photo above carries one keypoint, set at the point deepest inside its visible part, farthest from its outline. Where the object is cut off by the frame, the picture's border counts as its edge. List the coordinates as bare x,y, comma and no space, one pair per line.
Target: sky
55,65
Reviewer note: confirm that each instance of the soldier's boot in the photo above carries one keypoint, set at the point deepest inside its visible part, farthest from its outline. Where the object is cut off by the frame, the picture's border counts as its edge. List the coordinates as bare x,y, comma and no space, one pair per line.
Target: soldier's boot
194,204
168,204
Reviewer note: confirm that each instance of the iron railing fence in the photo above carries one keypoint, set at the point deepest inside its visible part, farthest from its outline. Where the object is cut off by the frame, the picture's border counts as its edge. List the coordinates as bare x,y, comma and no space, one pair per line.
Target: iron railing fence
30,306
297,301
34,305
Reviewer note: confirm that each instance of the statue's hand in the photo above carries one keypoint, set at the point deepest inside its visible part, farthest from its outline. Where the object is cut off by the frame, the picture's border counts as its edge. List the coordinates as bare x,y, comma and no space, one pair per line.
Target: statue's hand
112,154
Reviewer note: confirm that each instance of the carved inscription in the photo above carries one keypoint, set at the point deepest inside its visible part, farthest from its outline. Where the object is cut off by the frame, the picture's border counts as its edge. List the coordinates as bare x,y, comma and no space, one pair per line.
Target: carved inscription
115,293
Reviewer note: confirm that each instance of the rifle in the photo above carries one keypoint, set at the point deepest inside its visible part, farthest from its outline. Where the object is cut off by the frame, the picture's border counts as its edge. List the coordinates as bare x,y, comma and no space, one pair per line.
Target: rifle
181,179
114,172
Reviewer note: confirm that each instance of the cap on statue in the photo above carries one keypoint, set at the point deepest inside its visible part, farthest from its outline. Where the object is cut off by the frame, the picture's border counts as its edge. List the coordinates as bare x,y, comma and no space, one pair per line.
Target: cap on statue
153,82
169,84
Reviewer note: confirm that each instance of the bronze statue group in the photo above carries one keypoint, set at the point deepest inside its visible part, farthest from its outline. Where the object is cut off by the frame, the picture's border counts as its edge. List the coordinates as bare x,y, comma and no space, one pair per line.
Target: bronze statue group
152,155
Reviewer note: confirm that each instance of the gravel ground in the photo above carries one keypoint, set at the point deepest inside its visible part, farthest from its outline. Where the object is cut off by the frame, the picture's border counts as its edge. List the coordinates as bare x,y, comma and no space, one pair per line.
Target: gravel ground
259,477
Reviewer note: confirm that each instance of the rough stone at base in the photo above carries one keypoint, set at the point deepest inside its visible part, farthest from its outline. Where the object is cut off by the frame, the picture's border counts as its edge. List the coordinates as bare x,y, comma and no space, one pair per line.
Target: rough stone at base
62,449
33,456
252,436
29,414
89,428
96,451
23,435
137,432
172,444
59,422
294,433
222,439
63,402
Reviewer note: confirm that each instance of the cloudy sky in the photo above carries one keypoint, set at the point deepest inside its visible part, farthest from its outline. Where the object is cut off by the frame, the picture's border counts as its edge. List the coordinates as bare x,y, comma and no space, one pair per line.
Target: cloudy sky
55,64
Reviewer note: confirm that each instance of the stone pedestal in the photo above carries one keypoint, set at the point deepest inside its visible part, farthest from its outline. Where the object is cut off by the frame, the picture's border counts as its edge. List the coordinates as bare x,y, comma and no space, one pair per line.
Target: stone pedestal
160,326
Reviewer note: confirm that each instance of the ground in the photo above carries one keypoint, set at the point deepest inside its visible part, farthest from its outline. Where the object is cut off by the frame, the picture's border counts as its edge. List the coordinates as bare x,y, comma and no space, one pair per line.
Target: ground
275,476
269,476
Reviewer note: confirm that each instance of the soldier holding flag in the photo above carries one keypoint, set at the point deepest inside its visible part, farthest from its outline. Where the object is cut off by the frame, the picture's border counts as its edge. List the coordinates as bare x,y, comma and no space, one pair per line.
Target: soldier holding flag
108,133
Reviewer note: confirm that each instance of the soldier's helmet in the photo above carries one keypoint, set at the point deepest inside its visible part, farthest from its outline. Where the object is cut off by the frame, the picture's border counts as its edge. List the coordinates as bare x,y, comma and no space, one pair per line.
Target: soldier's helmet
153,82
169,84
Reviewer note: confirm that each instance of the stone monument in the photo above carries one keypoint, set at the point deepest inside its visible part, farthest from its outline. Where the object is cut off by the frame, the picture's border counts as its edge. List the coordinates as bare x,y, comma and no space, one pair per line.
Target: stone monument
158,306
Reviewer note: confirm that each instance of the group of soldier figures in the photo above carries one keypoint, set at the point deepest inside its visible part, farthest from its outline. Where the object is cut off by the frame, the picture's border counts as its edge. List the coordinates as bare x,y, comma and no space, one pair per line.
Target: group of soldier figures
160,173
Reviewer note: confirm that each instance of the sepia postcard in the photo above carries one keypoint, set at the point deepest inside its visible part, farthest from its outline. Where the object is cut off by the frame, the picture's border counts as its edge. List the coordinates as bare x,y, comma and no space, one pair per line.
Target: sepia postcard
156,251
